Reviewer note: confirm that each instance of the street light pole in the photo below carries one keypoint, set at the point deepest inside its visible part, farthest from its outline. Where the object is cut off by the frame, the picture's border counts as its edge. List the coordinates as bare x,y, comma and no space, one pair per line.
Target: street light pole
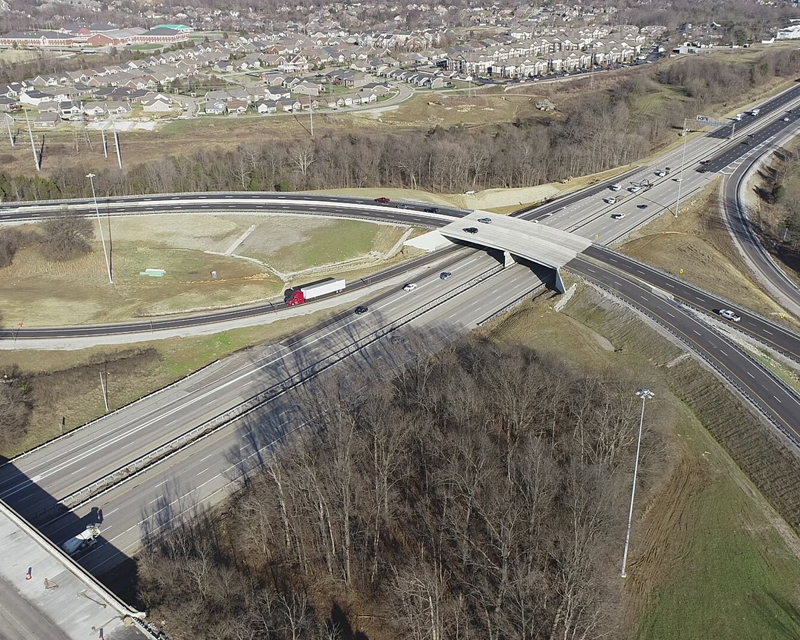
91,177
644,394
680,175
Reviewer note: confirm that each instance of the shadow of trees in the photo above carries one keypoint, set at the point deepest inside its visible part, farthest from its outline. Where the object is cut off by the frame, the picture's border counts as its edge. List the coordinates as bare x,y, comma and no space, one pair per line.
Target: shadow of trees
400,493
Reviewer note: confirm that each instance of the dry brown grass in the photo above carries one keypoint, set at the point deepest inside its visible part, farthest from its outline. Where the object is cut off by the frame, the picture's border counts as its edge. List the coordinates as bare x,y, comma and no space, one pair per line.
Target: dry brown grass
697,247
67,383
39,292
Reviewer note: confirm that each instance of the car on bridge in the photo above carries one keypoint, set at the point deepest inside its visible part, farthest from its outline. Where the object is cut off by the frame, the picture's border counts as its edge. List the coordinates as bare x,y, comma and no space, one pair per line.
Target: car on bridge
432,210
660,173
471,229
729,315
485,220
611,200
635,188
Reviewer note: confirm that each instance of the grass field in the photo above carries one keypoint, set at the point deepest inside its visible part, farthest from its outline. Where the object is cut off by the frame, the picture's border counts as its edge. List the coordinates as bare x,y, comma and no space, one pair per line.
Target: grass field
39,292
710,557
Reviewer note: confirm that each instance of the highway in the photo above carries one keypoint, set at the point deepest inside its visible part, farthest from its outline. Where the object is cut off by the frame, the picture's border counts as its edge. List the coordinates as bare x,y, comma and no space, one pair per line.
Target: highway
477,289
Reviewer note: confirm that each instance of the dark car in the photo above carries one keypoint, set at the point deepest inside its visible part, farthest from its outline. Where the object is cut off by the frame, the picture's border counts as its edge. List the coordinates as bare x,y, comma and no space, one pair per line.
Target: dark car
471,230
382,200
641,206
361,310
432,210
444,275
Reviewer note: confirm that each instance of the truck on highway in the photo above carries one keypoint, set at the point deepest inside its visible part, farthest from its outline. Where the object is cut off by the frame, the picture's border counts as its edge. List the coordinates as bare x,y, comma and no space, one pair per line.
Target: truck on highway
82,542
615,187
315,290
755,112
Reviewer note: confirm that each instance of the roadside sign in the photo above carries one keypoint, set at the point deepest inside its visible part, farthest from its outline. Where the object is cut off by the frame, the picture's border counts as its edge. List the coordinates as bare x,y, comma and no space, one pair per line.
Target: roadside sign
705,120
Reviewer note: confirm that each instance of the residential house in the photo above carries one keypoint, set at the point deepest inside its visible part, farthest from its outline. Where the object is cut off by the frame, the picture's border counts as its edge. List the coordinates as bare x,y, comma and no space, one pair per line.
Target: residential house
34,98
237,105
94,109
266,106
156,105
47,120
216,108
8,104
289,104
70,109
118,108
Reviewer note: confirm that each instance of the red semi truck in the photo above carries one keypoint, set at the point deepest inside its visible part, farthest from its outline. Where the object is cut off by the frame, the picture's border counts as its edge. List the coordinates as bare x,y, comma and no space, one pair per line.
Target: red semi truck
311,291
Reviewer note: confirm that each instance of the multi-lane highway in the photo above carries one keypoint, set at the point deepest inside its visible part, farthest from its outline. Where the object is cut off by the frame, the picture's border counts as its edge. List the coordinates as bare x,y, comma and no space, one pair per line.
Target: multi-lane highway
478,288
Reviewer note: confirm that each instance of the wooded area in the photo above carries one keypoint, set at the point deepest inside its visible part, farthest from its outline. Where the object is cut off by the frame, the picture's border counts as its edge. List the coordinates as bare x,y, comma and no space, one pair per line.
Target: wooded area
481,493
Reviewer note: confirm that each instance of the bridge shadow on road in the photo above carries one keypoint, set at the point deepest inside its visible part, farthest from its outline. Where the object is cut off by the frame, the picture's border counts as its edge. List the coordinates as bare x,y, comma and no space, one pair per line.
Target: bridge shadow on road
58,524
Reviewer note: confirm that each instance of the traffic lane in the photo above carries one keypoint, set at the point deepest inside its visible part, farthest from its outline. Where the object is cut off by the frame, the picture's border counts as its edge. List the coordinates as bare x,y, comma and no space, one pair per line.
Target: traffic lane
59,473
742,228
771,396
239,312
200,474
159,201
751,143
200,383
773,335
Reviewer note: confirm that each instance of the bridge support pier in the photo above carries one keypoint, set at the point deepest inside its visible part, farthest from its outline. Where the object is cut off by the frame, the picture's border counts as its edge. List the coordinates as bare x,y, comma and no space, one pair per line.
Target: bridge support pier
508,259
559,284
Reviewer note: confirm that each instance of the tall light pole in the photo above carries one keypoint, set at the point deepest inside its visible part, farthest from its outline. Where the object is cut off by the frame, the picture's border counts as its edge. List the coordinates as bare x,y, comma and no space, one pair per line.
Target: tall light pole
680,175
91,177
644,394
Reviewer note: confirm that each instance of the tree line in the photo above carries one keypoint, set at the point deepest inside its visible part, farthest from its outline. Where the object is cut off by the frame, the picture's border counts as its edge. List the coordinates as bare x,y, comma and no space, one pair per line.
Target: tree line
480,493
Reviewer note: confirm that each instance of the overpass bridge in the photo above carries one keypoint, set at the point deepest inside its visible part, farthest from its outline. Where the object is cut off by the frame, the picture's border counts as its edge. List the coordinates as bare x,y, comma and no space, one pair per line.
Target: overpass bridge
517,238
45,594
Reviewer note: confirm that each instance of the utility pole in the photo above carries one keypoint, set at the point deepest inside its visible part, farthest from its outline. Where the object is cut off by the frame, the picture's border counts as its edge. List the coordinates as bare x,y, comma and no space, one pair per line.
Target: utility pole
105,142
91,177
104,387
33,144
680,175
644,394
311,113
10,137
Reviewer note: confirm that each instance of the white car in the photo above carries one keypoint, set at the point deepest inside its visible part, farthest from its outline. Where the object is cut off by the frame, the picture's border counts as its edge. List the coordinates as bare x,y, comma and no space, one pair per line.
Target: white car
485,220
677,179
634,189
617,216
410,286
661,173
729,315
611,200
786,119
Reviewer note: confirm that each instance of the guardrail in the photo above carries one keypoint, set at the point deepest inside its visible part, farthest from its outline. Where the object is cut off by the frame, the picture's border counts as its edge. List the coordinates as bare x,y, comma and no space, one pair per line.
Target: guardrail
247,406
724,375
705,292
